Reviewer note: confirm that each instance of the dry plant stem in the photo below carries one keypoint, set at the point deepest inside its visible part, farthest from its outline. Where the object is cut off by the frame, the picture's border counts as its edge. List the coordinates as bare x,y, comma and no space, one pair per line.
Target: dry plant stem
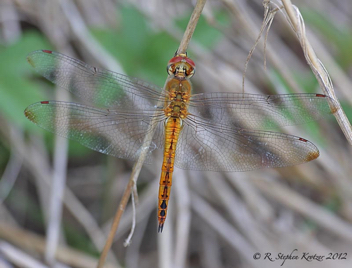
138,166
85,38
245,222
131,184
318,68
35,244
18,257
250,27
267,21
143,210
133,255
115,223
183,219
37,165
57,190
191,26
307,208
128,239
230,234
10,174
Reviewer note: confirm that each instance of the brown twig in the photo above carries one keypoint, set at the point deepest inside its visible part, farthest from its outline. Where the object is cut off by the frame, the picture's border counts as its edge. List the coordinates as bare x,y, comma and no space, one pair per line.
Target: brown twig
128,239
266,24
137,167
191,26
297,23
116,221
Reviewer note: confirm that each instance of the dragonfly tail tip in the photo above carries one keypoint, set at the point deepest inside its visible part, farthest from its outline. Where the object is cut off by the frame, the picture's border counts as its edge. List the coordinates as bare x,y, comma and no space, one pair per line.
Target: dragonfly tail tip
161,227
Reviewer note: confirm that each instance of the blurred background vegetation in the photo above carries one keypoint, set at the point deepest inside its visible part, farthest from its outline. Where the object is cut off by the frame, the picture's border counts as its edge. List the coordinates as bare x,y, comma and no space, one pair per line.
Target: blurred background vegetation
215,220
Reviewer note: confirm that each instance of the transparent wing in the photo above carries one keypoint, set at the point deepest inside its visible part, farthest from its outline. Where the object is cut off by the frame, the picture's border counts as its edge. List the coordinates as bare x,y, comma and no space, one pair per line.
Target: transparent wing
106,131
216,147
99,87
261,111
213,136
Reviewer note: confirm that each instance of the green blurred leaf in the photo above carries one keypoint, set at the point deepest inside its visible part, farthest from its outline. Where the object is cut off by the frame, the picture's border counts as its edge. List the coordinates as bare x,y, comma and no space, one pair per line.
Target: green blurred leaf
79,240
205,34
24,204
17,91
307,82
335,35
347,108
144,53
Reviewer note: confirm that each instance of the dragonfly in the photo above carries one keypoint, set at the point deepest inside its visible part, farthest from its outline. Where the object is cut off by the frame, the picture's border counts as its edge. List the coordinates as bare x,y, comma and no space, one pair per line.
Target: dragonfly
222,132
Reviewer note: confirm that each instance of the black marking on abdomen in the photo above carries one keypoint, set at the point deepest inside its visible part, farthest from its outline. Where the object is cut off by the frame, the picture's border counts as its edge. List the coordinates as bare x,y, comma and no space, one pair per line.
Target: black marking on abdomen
164,195
163,205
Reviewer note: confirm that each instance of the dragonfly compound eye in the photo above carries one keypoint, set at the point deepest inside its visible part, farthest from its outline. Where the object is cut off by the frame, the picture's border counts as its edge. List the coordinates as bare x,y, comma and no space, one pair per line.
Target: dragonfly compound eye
171,69
190,72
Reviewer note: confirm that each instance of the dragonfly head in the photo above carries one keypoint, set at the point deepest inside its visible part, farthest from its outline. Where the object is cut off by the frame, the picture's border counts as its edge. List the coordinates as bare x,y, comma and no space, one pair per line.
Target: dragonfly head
181,66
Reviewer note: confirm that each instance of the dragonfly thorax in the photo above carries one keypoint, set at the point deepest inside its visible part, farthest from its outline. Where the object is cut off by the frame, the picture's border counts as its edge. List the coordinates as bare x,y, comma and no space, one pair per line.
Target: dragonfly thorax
179,93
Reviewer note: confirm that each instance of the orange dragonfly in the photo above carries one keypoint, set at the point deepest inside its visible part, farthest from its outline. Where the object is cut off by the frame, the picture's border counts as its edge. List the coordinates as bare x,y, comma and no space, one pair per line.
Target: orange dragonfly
207,131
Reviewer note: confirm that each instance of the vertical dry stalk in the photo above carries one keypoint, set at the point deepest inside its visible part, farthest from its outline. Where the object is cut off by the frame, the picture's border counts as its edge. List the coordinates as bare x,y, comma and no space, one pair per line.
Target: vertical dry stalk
267,21
137,167
294,17
191,26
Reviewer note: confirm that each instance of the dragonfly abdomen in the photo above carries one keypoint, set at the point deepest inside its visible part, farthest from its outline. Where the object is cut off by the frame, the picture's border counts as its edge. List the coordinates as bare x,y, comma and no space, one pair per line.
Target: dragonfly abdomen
172,132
